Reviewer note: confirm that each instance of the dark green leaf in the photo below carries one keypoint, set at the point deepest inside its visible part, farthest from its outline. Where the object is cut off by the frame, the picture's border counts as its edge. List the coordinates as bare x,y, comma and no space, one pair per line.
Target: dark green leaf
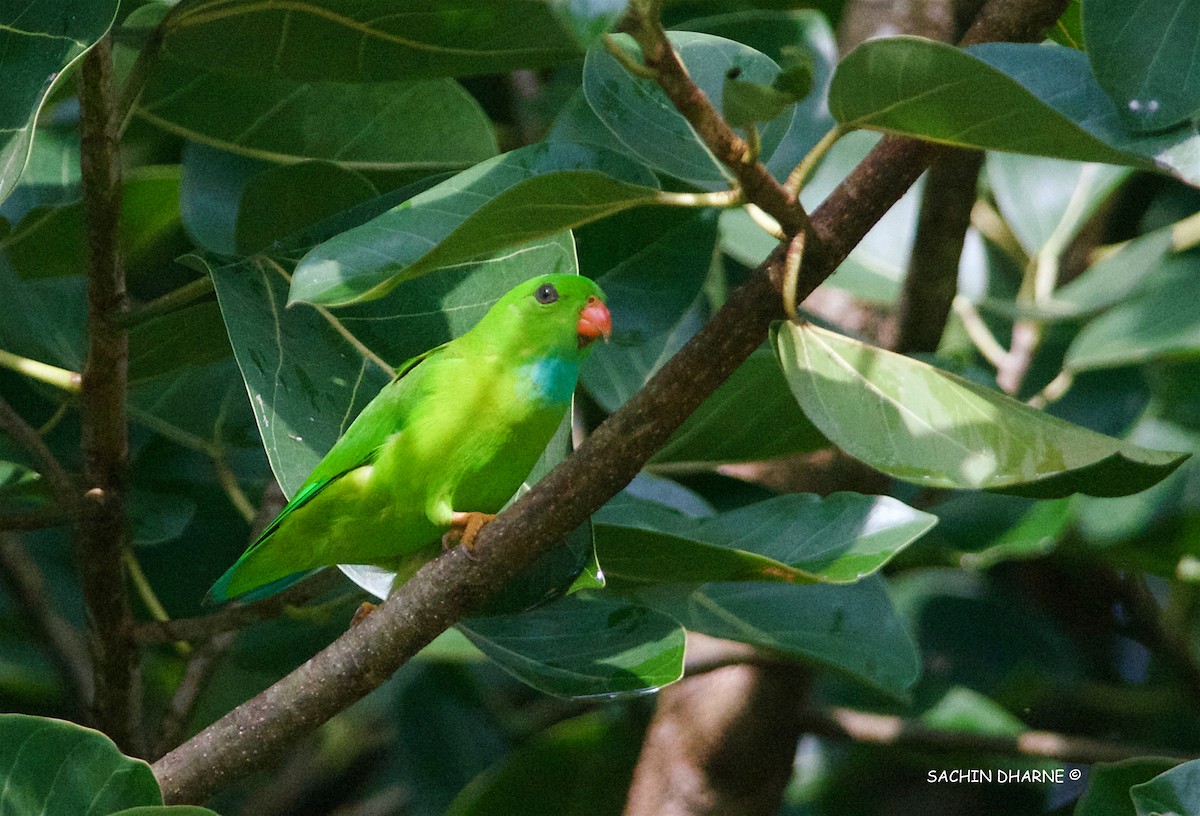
1173,791
367,41
579,767
39,41
50,241
168,810
584,646
750,417
1145,57
654,266
372,258
1158,321
430,124
852,628
1022,98
1113,278
58,768
918,423
279,201
645,121
193,335
1108,786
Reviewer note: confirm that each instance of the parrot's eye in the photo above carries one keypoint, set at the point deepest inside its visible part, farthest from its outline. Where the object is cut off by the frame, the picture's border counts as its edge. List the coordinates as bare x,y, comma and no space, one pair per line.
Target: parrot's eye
546,293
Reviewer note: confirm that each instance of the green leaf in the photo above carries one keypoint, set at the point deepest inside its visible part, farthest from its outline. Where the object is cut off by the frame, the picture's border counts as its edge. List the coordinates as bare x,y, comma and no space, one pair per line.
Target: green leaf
1048,199
748,102
367,41
1173,791
279,201
193,335
588,20
799,538
577,767
584,646
58,768
51,175
752,416
918,423
1034,99
305,381
40,41
1108,786
1115,277
641,116
1158,321
428,124
50,241
653,269
168,810
852,628
468,215
793,38
1145,57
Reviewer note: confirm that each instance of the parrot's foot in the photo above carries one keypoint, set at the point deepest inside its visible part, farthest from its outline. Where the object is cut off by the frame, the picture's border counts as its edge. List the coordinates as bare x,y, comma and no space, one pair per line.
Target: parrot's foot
360,615
463,529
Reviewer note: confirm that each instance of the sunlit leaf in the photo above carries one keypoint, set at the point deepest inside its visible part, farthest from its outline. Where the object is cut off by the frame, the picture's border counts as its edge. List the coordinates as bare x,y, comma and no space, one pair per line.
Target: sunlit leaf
921,424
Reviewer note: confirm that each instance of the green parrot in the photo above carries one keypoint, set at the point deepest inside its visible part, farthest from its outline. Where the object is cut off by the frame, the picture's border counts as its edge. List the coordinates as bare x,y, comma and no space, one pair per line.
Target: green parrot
441,448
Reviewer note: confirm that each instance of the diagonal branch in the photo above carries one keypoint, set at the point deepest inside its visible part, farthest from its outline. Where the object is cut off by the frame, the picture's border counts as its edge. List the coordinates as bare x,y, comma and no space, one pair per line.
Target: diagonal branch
456,584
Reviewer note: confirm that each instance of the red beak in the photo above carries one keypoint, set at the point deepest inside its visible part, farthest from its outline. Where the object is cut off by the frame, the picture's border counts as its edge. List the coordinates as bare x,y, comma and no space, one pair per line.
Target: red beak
594,321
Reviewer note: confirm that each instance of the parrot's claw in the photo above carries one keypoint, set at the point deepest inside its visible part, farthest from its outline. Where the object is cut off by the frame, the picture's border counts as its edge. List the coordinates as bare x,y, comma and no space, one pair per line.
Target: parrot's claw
366,608
464,527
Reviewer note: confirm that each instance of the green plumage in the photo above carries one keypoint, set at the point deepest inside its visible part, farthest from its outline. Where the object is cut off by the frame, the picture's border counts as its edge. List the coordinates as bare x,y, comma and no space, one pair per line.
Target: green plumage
458,430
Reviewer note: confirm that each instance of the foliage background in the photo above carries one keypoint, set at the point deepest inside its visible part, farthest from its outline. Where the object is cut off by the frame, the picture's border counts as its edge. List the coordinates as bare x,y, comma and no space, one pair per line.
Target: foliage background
275,166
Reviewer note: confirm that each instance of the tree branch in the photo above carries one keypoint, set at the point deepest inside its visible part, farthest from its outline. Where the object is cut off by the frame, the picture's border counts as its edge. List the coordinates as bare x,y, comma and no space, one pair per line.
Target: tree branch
456,584
932,279
100,530
891,731
758,185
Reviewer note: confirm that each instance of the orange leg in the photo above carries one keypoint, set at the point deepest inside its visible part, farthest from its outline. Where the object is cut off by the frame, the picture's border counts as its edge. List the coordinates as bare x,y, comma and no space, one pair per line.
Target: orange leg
361,613
463,529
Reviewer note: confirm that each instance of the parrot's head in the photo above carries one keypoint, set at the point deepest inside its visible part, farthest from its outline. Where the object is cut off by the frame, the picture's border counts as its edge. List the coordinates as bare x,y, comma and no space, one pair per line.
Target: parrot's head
558,312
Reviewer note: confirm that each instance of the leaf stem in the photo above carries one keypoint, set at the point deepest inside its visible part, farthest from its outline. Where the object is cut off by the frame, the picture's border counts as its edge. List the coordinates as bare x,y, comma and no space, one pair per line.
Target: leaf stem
802,171
978,331
635,68
171,301
722,199
149,598
60,378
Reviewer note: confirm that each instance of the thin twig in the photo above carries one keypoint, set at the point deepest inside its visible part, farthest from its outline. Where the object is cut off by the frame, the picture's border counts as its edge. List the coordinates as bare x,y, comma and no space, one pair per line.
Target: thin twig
19,431
38,518
891,731
60,378
200,667
237,616
65,645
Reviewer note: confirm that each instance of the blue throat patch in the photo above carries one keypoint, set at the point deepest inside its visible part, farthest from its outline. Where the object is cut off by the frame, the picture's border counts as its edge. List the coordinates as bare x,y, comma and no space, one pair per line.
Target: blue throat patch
550,379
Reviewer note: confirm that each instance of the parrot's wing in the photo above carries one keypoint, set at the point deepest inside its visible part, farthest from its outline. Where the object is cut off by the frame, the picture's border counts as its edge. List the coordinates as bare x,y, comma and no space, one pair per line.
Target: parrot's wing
359,445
